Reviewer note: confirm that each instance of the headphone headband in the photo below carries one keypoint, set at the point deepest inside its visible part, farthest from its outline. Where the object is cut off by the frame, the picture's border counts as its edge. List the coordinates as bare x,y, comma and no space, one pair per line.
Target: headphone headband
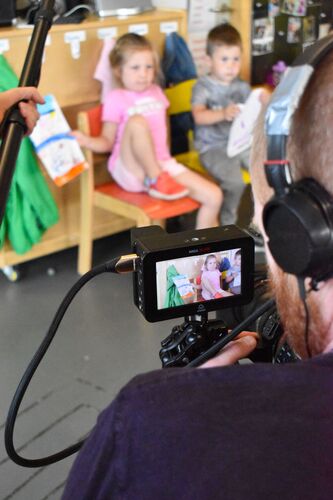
287,95
298,219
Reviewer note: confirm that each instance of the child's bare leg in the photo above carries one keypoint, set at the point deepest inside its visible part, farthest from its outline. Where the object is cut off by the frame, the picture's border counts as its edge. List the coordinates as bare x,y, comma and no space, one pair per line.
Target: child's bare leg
208,285
137,149
205,192
137,153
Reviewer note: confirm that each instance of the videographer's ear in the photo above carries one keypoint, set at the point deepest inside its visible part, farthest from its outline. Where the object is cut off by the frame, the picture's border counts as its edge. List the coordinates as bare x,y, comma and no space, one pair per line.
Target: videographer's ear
237,349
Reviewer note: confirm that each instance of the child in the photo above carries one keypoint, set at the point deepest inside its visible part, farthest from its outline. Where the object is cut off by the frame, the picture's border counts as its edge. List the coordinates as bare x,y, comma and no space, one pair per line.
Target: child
135,130
210,280
215,103
233,277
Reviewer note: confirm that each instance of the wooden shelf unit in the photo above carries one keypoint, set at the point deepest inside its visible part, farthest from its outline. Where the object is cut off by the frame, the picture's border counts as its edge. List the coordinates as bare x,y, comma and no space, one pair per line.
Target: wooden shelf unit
71,81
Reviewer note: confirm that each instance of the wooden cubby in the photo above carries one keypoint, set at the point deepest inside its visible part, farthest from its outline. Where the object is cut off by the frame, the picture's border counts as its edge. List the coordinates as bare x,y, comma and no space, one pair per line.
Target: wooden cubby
71,81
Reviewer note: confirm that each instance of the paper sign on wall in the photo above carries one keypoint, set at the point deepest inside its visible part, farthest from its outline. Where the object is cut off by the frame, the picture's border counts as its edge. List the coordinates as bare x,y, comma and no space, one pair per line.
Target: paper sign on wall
74,38
4,45
139,29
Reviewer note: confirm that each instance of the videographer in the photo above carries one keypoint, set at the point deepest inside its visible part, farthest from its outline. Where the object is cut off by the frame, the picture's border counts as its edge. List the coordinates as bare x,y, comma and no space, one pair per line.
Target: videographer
29,97
253,431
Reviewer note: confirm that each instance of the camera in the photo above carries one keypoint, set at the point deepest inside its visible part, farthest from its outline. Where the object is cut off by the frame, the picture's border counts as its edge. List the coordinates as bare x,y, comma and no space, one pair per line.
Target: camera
169,281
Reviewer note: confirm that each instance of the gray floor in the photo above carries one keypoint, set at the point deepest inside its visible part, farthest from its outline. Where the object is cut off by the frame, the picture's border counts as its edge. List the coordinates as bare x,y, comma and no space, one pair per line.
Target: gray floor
102,342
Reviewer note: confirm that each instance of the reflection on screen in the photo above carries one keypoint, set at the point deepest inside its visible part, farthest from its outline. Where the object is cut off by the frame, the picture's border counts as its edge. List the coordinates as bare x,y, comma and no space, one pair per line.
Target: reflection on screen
198,278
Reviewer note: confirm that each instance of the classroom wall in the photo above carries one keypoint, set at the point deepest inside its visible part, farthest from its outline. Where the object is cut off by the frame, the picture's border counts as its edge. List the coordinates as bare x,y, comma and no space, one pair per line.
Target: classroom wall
202,16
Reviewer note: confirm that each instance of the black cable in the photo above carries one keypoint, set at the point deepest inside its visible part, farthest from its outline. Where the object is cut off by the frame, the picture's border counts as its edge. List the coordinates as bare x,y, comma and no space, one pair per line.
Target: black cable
119,265
109,266
236,331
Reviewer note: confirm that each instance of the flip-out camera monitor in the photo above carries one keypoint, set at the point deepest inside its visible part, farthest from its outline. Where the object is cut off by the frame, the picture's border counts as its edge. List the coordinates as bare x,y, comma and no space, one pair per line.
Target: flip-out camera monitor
193,272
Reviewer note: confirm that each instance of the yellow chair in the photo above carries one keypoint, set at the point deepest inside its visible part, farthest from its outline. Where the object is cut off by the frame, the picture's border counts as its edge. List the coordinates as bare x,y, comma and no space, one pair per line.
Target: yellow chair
136,209
179,97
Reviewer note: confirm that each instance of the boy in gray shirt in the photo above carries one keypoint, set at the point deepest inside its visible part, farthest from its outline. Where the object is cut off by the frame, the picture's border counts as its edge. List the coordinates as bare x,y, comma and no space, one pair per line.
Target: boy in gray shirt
215,101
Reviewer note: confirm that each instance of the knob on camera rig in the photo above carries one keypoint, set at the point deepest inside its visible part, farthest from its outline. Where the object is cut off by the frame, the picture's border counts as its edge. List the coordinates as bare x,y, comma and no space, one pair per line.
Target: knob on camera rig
190,339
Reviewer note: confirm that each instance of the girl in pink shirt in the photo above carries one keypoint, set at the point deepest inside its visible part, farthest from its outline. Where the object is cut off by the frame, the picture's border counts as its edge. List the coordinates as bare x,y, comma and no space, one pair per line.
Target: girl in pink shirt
135,131
210,280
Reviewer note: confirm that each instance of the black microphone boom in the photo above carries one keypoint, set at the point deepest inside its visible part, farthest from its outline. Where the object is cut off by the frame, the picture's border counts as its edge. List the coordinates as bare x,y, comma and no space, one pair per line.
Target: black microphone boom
14,128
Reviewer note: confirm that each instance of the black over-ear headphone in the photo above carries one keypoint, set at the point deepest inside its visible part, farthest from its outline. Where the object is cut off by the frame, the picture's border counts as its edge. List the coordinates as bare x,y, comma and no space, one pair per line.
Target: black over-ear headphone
298,219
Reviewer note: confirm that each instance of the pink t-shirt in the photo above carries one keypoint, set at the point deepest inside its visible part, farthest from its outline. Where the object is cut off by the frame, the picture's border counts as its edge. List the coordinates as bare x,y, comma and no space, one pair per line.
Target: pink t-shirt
214,278
120,104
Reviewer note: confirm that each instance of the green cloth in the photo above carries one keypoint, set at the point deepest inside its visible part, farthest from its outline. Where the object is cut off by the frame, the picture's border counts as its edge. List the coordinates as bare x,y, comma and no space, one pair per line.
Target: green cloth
173,297
30,208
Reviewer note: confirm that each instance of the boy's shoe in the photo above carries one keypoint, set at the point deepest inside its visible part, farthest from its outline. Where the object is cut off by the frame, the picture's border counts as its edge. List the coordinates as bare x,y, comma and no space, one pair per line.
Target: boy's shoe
166,188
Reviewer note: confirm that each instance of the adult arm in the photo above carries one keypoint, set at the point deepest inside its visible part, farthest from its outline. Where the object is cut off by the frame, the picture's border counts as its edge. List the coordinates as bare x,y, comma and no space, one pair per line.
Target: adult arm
28,109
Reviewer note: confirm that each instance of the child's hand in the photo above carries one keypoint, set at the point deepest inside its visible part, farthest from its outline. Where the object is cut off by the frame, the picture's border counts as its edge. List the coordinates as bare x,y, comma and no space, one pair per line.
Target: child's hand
265,96
81,138
230,112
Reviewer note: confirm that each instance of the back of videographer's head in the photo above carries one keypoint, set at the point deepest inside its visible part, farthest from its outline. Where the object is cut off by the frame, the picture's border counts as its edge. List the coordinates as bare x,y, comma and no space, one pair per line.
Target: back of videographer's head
310,152
310,144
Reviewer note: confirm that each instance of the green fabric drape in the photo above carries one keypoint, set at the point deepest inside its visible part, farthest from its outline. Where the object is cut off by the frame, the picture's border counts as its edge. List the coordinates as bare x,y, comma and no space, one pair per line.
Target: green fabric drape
173,297
30,208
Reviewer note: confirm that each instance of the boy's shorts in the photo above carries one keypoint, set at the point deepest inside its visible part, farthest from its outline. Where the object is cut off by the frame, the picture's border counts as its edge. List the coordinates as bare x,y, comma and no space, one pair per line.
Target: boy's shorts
128,181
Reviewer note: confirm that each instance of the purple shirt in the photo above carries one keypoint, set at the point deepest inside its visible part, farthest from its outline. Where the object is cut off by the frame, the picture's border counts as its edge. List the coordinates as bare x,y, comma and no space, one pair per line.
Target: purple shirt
248,432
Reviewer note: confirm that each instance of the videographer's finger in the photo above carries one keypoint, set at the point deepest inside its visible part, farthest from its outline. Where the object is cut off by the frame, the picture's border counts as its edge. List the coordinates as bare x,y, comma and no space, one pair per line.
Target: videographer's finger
30,114
29,94
22,93
237,349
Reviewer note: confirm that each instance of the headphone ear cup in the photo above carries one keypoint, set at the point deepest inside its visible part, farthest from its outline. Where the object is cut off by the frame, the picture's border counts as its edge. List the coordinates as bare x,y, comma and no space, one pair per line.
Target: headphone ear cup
299,228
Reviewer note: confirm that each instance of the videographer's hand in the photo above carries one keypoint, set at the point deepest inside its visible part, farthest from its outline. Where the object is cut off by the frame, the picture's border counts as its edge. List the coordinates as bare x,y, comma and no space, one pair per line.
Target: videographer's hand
28,109
237,349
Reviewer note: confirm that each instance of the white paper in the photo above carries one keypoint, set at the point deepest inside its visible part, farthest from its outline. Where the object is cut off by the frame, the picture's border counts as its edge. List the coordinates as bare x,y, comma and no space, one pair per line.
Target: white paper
241,131
184,286
57,149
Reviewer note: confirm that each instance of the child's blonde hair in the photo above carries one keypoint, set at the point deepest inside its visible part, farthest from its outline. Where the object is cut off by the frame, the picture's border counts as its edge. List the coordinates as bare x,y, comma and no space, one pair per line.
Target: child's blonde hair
210,256
125,46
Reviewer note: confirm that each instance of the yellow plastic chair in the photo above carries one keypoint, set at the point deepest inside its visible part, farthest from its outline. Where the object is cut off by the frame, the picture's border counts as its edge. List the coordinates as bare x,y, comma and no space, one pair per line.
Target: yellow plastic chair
179,97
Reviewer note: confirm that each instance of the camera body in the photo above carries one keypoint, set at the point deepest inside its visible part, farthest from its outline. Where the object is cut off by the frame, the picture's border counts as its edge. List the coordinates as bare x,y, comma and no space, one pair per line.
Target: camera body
167,278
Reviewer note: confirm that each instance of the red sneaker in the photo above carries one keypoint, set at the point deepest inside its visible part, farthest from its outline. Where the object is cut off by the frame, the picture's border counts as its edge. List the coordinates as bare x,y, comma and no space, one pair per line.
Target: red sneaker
218,295
166,188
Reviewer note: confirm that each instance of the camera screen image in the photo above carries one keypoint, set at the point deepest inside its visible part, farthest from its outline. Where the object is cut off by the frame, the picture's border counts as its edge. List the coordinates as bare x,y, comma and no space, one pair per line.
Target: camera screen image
198,278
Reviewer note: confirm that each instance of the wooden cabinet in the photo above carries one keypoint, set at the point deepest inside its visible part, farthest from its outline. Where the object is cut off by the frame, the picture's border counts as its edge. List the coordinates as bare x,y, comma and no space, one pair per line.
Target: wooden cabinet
251,19
70,59
281,37
241,19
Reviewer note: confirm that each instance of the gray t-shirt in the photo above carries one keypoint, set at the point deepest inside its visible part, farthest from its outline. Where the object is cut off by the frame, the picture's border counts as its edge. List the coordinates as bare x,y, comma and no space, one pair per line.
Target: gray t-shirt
214,95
